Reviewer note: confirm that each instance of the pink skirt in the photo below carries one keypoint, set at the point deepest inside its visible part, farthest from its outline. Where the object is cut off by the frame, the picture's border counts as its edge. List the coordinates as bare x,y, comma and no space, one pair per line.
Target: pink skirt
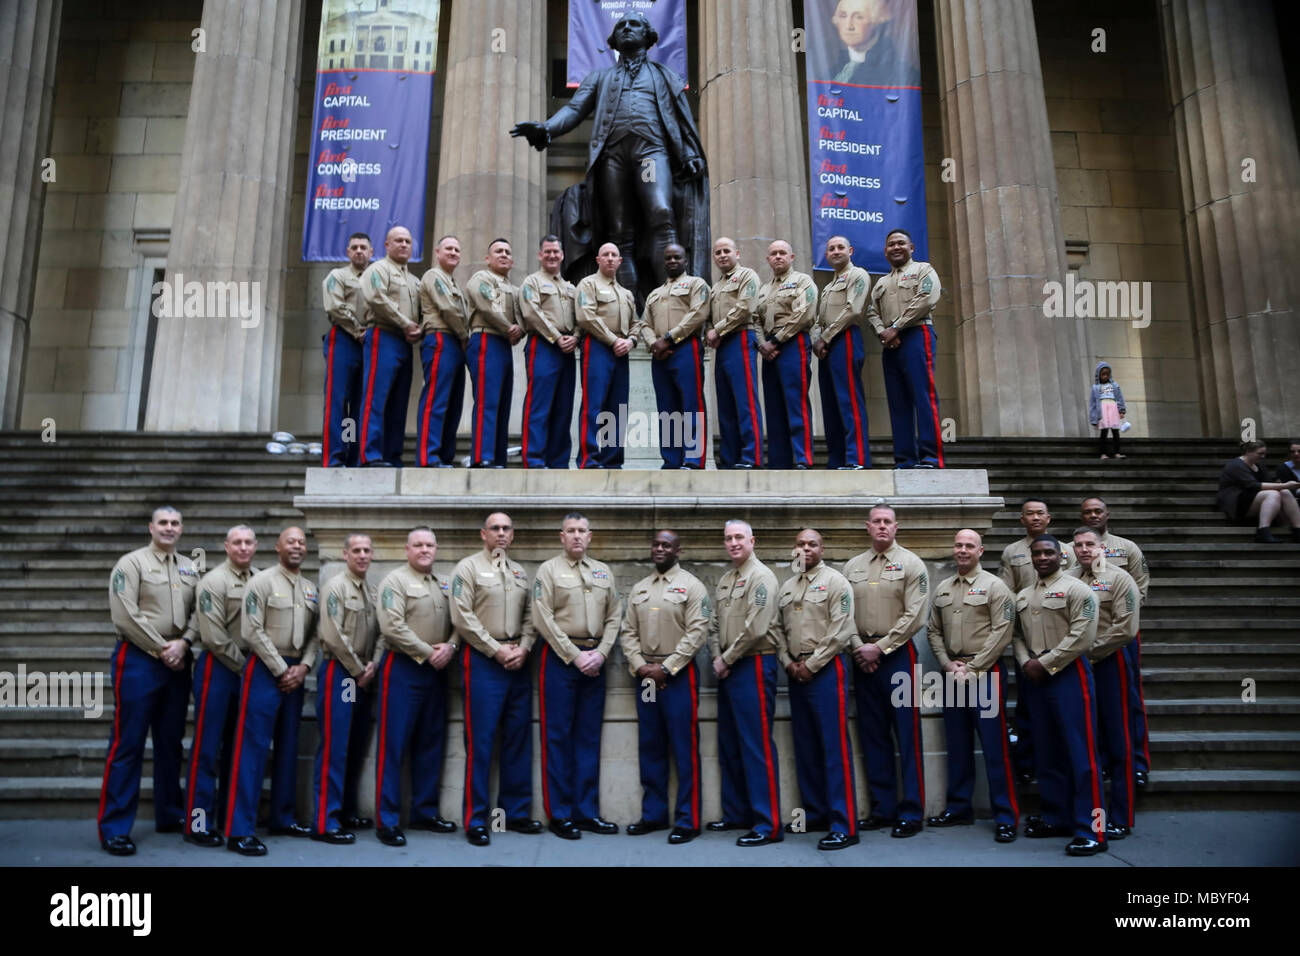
1109,414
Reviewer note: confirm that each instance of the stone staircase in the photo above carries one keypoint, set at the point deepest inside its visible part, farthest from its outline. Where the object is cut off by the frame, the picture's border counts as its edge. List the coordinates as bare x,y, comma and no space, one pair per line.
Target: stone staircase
1222,608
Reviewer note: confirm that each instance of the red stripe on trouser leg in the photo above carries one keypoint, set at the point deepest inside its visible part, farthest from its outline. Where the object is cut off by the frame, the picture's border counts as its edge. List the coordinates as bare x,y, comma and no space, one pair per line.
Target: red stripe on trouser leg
842,718
239,745
703,430
119,666
916,733
934,395
695,748
370,391
853,396
804,407
329,396
1089,720
1006,750
326,727
481,397
469,745
1142,701
428,402
541,714
582,437
528,397
753,408
1122,661
383,735
196,745
767,746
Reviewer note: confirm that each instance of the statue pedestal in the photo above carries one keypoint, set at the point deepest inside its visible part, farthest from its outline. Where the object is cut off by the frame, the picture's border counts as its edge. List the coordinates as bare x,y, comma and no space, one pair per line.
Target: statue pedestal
625,508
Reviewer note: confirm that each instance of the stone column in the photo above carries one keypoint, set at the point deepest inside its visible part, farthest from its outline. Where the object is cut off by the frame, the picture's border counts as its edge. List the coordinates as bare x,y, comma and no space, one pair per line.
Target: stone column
221,372
1240,174
1018,372
749,97
29,44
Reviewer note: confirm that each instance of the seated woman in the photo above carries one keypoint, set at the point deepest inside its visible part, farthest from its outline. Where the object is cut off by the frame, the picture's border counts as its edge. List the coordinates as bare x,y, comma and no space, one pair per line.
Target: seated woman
1242,496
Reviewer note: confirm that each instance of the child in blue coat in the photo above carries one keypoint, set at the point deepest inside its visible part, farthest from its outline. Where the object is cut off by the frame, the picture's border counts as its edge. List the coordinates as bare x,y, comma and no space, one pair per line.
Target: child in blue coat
1106,408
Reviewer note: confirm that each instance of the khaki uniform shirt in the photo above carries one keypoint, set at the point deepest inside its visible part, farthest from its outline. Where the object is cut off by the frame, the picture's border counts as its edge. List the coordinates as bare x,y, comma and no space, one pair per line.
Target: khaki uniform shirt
391,296
442,304
492,305
1017,566
415,613
1124,554
490,603
1057,621
815,617
606,311
341,292
221,601
279,618
972,619
576,606
668,619
889,596
674,311
151,598
842,302
746,607
546,303
788,304
349,628
904,297
1117,608
733,303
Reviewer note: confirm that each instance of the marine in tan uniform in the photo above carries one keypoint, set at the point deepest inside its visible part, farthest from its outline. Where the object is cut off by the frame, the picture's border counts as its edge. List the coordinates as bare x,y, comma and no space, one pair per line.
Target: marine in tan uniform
279,628
546,302
444,322
494,330
391,296
837,343
744,651
349,650
890,601
415,623
576,612
492,614
341,294
216,686
606,314
788,304
735,330
1118,602
1056,627
675,314
972,619
667,622
815,621
151,598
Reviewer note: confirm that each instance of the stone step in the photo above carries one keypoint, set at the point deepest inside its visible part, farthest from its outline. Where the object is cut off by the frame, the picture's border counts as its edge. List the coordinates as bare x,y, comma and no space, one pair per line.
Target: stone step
1157,653
1197,714
1181,682
1223,750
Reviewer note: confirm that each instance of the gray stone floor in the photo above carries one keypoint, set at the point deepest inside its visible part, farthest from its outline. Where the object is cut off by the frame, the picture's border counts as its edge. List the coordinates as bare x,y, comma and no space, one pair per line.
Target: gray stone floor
1183,838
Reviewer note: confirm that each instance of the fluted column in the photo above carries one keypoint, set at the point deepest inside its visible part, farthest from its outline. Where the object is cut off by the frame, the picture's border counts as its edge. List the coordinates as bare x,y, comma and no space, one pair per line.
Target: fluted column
29,44
1019,373
489,184
752,129
1231,107
213,373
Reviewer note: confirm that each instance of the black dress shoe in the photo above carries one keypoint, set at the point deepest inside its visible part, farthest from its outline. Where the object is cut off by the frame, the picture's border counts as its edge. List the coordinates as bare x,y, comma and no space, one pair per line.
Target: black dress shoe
334,836
837,840
524,826
292,829
356,823
436,825
754,838
1036,828
204,838
565,830
1005,833
906,828
478,836
391,836
1117,831
596,825
950,819
647,826
119,846
874,822
1140,779
246,846
1082,846
718,826
177,827
811,826
680,835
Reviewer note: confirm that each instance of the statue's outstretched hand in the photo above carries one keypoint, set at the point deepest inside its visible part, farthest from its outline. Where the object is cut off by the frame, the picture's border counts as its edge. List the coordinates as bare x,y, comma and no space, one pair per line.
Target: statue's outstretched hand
693,168
535,133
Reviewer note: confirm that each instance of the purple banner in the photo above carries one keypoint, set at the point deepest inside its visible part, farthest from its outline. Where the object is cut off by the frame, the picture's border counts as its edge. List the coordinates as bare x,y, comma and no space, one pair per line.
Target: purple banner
866,168
590,23
370,126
